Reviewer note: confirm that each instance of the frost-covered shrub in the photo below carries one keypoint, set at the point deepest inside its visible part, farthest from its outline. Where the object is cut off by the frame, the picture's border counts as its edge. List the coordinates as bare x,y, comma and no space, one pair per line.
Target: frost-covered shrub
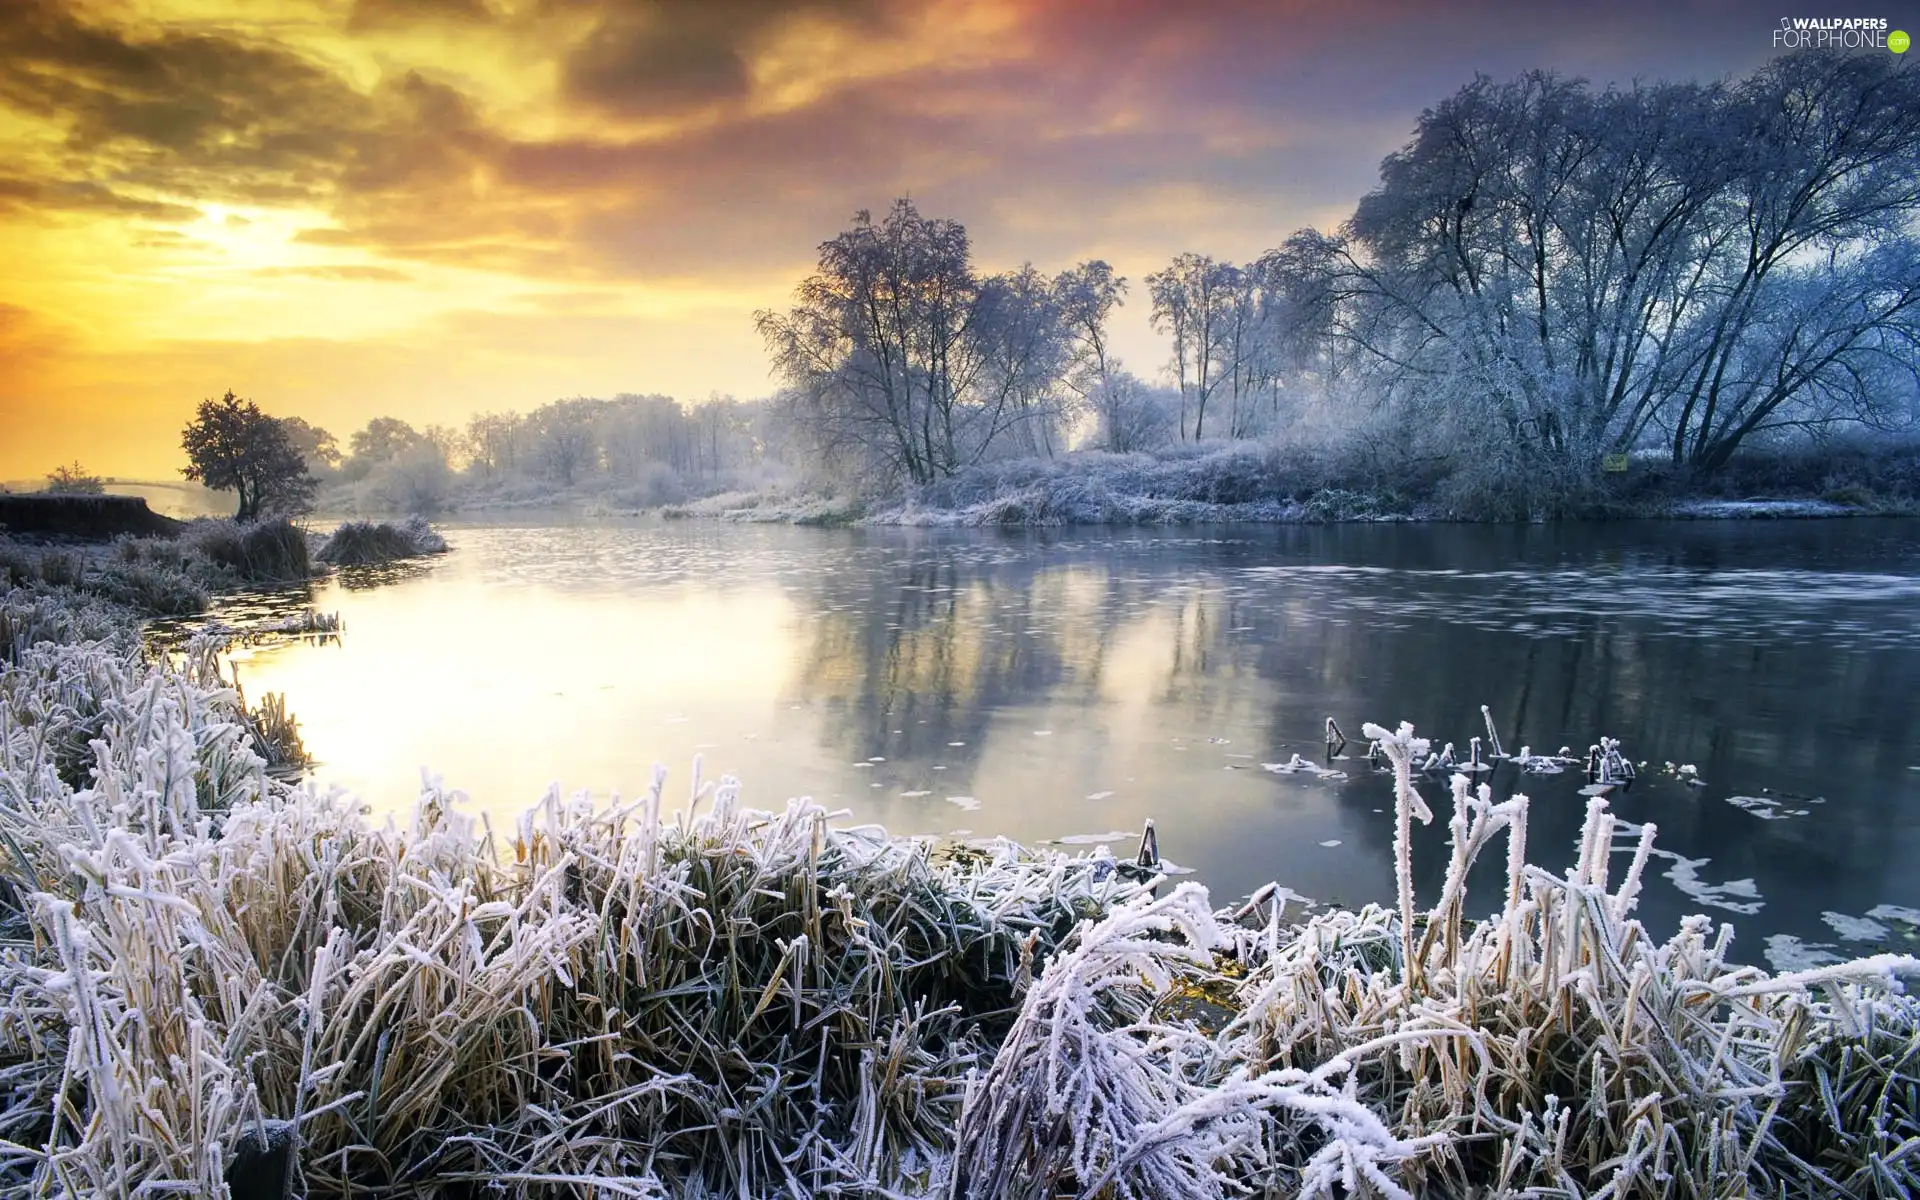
271,550
367,543
31,617
154,590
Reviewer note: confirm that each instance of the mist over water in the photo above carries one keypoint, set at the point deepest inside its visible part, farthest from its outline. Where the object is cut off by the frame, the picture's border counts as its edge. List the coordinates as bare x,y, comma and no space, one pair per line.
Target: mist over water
1053,685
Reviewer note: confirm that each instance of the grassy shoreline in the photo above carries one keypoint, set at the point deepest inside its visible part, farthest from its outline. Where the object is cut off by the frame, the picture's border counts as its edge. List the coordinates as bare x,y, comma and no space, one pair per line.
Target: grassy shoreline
205,963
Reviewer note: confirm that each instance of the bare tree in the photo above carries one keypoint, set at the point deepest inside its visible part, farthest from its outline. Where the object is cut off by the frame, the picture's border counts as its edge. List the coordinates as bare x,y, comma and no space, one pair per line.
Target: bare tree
1086,296
899,358
1191,301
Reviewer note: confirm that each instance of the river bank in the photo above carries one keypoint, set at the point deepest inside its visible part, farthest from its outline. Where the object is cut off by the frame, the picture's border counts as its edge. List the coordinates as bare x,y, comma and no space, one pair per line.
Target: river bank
641,998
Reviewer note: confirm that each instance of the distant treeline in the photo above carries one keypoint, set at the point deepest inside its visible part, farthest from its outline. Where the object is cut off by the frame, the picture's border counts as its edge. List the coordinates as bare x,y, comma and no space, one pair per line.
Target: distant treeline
647,449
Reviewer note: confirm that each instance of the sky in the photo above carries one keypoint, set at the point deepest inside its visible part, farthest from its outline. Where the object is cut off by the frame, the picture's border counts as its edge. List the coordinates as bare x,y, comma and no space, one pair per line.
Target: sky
345,209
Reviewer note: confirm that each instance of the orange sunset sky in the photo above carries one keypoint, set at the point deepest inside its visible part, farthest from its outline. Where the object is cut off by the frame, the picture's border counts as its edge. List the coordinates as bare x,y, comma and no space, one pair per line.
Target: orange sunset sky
426,208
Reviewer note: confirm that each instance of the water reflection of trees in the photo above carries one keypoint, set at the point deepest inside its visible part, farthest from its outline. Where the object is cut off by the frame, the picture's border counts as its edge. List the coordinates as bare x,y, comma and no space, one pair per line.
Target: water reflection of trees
950,636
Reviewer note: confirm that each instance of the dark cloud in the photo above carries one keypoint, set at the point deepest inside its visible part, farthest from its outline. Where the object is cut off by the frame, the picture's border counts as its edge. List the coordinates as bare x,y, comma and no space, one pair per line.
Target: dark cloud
222,117
180,111
655,57
82,196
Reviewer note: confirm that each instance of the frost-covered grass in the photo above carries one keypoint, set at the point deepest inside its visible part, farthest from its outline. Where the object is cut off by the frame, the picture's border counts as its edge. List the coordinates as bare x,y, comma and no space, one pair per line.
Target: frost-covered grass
774,508
1236,481
627,1000
1554,1047
166,576
1352,479
1720,509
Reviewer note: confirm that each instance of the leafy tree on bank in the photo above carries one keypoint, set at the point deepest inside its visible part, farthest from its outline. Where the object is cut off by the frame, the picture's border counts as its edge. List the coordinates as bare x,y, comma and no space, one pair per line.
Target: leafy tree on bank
234,447
74,480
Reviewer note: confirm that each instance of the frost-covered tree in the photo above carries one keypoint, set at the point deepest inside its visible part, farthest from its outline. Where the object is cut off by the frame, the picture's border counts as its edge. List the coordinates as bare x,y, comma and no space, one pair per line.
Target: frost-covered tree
901,360
564,441
492,442
74,480
1131,415
1024,352
1562,272
1191,299
382,438
1085,296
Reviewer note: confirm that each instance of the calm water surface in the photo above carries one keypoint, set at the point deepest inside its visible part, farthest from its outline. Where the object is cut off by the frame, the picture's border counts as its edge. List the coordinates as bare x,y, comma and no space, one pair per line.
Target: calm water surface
1045,686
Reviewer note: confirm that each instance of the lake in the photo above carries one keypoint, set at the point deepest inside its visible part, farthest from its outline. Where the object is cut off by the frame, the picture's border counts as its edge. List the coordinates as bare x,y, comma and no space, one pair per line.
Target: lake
1058,684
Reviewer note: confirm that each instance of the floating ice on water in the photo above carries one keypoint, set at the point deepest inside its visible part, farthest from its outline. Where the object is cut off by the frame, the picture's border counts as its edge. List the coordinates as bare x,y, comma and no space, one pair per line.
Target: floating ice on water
1094,839
1788,953
876,758
1331,843
1855,929
1539,764
1098,795
1893,912
1297,765
1219,741
956,743
1764,807
1736,895
912,794
966,802
1043,733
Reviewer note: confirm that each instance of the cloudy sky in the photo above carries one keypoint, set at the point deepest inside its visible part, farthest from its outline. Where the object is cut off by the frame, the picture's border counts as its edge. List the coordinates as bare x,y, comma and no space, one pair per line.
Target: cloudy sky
425,208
